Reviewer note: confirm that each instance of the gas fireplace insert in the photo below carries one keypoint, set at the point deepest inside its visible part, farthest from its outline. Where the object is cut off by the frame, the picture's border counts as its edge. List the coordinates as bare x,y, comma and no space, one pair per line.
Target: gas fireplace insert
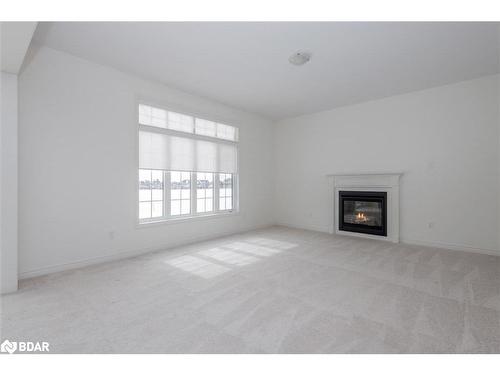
363,212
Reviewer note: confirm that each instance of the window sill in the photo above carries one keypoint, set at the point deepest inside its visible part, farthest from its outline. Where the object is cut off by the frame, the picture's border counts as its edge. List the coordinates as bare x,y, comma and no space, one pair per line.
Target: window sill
180,220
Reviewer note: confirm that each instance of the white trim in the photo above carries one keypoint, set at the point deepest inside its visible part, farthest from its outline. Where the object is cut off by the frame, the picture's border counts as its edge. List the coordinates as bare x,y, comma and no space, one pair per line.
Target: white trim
128,254
181,134
186,219
450,246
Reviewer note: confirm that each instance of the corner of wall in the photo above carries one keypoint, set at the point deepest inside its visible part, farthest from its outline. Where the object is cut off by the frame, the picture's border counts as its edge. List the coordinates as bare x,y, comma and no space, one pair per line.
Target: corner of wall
498,138
274,208
8,183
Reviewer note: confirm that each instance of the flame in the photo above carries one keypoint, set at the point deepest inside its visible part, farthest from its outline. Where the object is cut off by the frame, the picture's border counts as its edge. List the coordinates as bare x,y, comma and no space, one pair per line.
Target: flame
360,216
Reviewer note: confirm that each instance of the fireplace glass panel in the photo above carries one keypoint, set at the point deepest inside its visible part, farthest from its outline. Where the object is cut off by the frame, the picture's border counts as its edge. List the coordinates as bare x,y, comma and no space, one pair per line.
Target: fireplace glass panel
363,213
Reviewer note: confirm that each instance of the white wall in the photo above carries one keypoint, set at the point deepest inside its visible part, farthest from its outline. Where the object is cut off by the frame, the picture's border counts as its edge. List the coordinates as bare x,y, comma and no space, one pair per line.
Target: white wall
8,186
444,139
78,165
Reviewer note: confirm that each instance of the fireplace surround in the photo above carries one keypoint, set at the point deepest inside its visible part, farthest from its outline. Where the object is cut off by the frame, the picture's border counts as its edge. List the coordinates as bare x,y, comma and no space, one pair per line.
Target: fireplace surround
371,184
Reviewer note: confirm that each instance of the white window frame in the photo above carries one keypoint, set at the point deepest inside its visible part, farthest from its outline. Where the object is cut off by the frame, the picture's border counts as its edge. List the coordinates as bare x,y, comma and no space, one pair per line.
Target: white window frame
193,200
194,215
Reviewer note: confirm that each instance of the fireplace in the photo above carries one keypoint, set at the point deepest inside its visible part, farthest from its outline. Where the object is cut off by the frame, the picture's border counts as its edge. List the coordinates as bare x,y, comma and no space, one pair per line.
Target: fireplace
376,215
363,212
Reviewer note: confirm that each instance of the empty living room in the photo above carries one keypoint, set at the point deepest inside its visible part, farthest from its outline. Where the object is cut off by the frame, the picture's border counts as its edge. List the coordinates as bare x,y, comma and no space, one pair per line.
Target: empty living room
315,187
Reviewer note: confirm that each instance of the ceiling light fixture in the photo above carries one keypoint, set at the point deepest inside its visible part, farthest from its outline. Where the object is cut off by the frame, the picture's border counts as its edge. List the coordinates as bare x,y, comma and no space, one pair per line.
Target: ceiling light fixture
299,58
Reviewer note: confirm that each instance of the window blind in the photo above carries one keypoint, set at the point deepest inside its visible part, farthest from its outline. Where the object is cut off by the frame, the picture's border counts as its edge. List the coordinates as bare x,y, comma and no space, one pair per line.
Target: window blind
179,142
179,153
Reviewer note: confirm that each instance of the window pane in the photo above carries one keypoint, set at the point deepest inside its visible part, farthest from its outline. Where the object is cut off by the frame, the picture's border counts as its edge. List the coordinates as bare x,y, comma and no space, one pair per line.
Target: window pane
175,194
209,205
180,193
205,127
204,189
157,195
157,185
185,207
225,191
157,176
144,110
145,178
186,194
175,176
225,180
157,209
175,208
144,210
150,189
153,116
180,122
159,117
175,185
200,205
144,114
144,195
226,132
144,185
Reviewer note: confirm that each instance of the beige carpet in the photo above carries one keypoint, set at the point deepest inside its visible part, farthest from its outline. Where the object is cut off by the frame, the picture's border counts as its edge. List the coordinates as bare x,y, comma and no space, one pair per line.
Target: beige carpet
277,290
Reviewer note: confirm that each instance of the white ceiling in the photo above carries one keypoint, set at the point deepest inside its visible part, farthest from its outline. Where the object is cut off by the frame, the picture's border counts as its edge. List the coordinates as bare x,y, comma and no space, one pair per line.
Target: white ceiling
245,65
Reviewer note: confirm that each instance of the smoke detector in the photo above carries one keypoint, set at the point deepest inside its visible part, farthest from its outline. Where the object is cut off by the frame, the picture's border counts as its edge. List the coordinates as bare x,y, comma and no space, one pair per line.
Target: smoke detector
299,58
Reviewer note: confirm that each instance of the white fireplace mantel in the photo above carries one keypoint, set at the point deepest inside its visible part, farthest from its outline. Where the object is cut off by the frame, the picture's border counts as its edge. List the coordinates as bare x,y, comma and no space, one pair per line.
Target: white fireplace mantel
385,182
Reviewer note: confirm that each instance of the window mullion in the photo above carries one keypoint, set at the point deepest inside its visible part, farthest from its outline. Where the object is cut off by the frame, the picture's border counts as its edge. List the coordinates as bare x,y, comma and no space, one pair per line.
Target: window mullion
193,193
216,192
235,193
151,194
166,194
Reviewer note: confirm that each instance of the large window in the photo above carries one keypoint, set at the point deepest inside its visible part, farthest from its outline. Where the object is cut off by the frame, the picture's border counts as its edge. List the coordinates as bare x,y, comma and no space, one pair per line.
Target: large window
187,166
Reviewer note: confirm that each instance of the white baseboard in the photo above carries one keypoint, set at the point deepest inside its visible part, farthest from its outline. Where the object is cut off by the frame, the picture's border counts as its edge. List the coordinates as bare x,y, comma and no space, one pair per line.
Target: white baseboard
6,289
126,254
314,228
408,241
450,246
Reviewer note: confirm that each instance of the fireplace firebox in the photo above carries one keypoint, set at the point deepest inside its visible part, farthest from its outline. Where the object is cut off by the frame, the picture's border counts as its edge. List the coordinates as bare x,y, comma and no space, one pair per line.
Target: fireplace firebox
363,212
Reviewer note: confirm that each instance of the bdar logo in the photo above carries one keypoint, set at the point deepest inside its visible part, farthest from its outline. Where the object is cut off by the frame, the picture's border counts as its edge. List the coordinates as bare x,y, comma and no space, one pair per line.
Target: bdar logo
24,346
8,347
